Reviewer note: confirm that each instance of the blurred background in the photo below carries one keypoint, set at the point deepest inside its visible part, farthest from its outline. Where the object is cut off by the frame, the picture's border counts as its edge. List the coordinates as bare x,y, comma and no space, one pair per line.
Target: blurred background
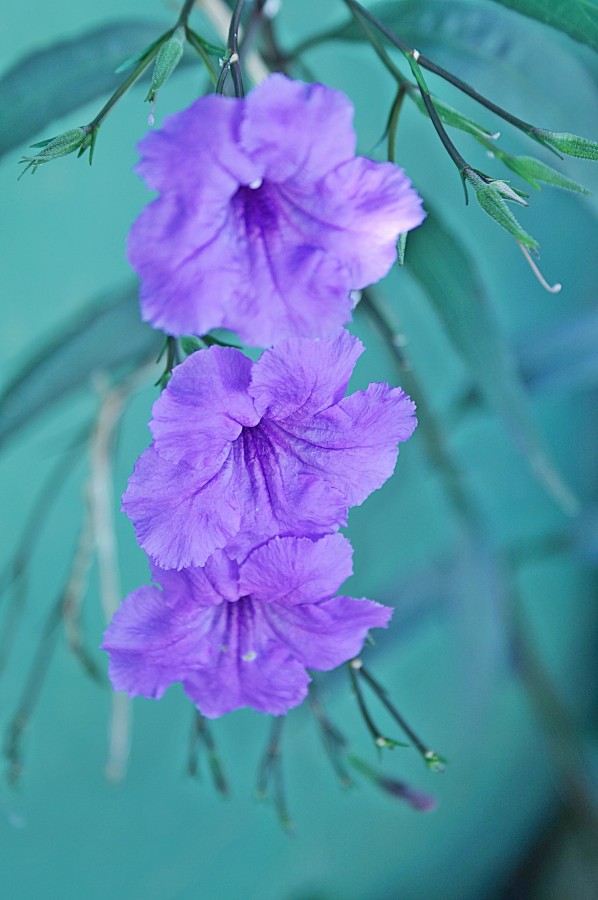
476,540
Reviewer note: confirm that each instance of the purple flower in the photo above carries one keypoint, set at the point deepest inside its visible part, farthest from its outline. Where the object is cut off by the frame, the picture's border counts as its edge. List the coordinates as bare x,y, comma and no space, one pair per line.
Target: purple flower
244,451
266,219
242,634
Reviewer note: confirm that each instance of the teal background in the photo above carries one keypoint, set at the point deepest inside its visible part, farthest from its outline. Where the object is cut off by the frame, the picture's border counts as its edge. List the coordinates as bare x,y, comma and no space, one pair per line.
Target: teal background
66,831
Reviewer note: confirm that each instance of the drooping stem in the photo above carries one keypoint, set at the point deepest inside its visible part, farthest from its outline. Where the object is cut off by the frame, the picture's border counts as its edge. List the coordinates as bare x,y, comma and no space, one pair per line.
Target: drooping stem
410,53
335,743
379,739
270,771
201,734
231,61
430,757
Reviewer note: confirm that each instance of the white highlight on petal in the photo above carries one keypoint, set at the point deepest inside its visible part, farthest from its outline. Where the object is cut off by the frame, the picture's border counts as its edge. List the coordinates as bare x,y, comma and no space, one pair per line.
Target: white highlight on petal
250,656
254,185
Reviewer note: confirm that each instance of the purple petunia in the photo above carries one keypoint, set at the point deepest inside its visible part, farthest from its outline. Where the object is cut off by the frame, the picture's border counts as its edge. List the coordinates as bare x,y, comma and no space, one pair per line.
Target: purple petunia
244,451
266,219
242,634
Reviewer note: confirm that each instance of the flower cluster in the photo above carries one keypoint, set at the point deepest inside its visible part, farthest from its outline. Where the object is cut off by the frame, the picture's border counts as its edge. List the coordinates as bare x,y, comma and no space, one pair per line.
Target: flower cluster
265,222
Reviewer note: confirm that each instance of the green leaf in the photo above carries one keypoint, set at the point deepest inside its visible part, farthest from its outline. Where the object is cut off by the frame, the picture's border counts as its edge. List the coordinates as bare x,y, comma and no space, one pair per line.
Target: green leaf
110,337
51,83
451,117
54,148
571,144
166,62
577,18
447,274
562,359
491,45
491,195
533,171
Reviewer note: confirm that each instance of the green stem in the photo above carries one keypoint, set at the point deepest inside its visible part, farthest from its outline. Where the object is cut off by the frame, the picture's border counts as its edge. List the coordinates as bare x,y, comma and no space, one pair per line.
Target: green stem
231,61
531,131
185,13
129,82
359,13
197,45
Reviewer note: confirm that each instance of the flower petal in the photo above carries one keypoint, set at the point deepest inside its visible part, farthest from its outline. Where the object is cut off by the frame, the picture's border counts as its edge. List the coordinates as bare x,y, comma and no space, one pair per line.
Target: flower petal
290,570
153,643
207,585
188,263
353,444
197,151
289,285
277,494
251,669
297,130
272,684
300,377
368,204
204,407
324,635
180,515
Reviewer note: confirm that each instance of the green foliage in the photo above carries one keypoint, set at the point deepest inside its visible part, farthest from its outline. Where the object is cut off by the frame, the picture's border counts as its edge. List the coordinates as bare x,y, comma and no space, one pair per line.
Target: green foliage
571,144
53,148
108,338
53,82
534,170
166,62
491,195
577,18
446,272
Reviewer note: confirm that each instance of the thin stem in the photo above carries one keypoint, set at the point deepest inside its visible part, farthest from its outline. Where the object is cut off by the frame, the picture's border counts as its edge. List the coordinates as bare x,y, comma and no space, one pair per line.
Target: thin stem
201,734
231,61
335,743
72,591
185,13
393,122
429,755
270,770
197,45
71,610
412,56
435,443
379,739
425,63
128,82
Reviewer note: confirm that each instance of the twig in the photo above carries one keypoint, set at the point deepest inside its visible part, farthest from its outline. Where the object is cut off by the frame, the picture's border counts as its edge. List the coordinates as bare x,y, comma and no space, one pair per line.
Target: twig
100,492
201,734
270,770
335,743
72,593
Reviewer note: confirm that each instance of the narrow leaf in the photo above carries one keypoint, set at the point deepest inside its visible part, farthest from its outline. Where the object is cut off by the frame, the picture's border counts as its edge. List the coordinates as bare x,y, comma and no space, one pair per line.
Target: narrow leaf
534,170
491,196
109,337
577,18
55,81
562,359
446,272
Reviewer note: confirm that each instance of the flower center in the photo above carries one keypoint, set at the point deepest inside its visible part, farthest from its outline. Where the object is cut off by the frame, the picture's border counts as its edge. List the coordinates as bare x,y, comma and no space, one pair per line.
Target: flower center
257,205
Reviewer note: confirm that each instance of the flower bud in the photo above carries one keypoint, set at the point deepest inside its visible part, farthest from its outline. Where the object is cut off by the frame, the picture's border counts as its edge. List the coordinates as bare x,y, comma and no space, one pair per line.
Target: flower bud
166,62
571,144
62,145
491,195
